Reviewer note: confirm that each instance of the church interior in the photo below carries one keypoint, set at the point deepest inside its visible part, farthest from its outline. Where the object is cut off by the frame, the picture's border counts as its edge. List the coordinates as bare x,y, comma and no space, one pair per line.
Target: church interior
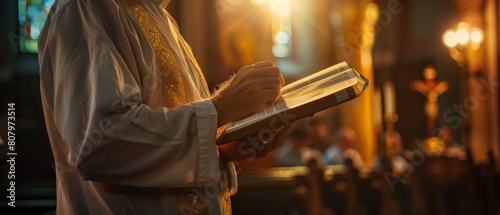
423,139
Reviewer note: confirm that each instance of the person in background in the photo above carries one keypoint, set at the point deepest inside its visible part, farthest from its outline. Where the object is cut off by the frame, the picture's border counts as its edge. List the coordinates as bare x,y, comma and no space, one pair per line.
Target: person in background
319,134
402,168
296,151
453,149
342,150
400,164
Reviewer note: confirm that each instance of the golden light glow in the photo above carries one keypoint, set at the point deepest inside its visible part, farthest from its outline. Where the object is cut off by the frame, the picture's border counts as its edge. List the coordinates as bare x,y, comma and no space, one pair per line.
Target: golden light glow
476,36
260,1
463,42
280,7
371,13
462,36
450,38
282,38
281,51
281,27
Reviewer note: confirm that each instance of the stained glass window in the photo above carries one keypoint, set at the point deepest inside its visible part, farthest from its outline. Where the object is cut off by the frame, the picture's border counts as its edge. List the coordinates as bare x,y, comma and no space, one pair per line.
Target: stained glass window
32,15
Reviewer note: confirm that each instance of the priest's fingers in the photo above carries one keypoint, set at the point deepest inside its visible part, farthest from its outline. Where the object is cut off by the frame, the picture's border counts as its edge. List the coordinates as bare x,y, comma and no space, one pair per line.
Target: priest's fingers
271,83
263,72
282,79
268,72
258,73
270,95
262,64
271,72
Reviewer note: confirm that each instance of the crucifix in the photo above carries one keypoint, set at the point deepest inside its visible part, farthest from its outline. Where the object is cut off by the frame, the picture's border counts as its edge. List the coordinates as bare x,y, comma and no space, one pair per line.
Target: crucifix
431,89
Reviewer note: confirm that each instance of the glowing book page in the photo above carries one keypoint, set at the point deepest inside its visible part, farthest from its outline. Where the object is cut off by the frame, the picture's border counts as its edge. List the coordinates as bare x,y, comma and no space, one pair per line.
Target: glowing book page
304,97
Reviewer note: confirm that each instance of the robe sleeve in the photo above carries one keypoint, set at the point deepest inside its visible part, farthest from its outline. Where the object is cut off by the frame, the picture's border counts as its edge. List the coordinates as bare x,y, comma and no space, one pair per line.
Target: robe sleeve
96,93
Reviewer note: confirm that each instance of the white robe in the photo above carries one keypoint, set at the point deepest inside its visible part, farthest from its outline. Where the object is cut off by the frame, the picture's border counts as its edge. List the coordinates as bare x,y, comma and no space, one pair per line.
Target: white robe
117,148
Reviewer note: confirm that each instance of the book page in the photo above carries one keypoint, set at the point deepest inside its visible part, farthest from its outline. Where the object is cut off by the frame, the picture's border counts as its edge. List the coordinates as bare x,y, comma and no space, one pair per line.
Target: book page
330,71
320,89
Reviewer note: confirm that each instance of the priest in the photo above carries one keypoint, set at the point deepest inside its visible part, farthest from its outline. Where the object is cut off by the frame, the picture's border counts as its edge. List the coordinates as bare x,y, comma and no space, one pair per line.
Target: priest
131,122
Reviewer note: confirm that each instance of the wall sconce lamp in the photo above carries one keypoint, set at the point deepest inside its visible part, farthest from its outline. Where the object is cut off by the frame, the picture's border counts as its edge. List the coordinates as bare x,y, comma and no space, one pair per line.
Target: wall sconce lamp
461,41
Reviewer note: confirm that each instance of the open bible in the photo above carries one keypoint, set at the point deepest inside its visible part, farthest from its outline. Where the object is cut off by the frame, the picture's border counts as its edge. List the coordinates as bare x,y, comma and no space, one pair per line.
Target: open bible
314,93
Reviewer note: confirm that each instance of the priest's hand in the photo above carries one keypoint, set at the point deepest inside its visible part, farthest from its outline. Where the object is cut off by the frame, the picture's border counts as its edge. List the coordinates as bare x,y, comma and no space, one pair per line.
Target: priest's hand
249,89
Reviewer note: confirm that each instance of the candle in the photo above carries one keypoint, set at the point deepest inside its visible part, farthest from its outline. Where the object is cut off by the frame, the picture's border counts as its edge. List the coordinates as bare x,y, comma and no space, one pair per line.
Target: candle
389,98
377,107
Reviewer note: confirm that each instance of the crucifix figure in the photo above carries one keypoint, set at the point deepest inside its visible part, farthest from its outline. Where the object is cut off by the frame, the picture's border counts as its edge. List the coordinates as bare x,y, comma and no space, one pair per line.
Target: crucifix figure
431,89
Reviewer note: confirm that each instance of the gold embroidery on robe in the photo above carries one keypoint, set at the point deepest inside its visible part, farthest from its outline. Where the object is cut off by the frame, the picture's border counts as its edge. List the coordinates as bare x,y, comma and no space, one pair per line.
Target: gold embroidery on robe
189,200
173,89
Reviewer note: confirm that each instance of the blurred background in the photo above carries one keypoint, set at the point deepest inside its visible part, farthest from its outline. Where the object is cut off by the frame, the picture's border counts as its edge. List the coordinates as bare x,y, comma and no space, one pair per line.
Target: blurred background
423,139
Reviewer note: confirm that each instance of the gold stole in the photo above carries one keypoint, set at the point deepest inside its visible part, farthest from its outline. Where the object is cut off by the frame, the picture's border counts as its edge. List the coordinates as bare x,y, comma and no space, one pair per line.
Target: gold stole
173,89
191,200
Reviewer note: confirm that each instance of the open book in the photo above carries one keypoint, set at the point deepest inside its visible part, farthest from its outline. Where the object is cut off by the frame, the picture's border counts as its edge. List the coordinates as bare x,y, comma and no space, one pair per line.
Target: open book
314,93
